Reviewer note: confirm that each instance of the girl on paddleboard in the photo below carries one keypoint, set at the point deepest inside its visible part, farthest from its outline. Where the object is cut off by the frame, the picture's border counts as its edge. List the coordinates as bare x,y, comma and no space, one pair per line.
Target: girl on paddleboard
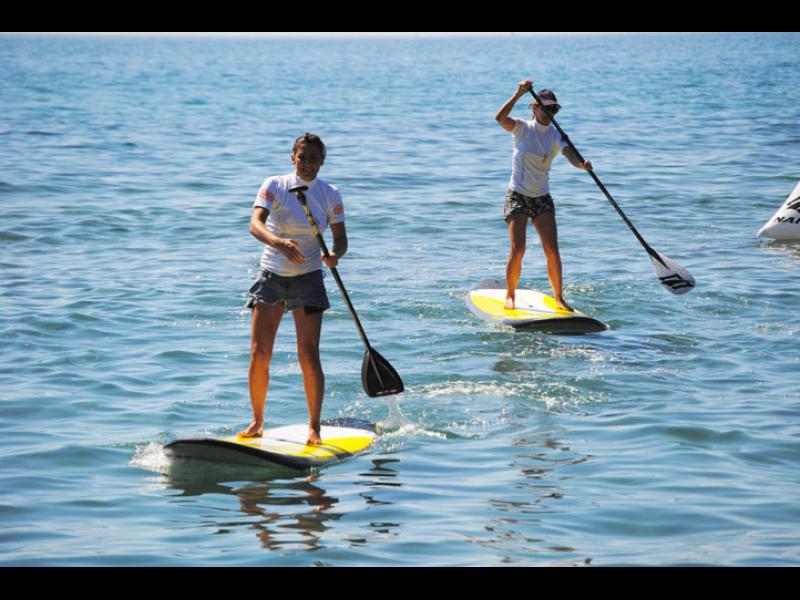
536,144
291,276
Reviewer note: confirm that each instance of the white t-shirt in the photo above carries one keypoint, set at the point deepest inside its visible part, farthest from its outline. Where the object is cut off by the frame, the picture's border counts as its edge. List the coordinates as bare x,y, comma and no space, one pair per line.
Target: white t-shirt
287,219
535,146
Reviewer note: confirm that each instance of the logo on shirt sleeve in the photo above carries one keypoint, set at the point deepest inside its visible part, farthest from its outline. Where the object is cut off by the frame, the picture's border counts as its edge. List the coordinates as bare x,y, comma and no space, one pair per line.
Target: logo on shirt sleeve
338,209
265,194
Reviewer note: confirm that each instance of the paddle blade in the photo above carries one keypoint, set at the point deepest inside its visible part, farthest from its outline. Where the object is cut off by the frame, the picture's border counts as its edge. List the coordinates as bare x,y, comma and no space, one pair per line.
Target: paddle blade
672,275
379,377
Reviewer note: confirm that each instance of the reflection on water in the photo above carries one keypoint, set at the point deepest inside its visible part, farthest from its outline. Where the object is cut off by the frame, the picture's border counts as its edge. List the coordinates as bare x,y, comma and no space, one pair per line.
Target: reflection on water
521,530
308,520
380,474
788,248
282,507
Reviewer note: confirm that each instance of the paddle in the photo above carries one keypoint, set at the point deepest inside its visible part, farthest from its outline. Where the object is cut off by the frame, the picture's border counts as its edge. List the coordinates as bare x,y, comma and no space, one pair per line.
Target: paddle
672,275
377,376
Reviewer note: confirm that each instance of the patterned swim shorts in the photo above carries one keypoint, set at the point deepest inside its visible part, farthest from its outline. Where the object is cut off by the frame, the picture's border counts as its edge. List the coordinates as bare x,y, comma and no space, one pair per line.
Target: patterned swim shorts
517,203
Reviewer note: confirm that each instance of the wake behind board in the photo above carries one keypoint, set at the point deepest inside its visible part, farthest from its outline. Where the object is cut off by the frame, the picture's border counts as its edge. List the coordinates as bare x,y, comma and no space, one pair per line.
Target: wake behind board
533,310
283,446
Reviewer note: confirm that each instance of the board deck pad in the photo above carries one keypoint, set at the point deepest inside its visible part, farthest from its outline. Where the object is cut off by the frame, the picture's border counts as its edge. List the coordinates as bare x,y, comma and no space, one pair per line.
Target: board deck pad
533,310
285,446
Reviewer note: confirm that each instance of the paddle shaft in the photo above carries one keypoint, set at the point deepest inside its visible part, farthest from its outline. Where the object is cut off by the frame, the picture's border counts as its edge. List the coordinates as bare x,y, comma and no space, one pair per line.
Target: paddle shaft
599,183
315,228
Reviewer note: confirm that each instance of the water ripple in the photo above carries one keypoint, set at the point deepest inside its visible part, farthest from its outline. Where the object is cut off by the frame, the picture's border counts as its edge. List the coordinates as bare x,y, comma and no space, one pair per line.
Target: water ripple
669,439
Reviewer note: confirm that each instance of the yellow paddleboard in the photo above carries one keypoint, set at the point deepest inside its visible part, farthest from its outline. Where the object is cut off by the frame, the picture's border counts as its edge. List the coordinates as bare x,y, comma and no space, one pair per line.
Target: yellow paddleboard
285,446
533,310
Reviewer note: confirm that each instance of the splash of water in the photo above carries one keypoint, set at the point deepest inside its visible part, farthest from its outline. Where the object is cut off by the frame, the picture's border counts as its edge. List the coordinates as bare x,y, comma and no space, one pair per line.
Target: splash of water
395,419
151,457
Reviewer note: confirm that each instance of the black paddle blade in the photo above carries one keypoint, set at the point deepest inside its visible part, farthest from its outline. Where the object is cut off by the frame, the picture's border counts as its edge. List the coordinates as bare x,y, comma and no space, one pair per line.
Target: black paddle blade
379,377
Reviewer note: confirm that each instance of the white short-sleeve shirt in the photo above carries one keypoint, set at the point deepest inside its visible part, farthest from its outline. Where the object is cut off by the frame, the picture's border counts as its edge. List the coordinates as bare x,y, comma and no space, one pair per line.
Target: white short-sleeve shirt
287,219
535,146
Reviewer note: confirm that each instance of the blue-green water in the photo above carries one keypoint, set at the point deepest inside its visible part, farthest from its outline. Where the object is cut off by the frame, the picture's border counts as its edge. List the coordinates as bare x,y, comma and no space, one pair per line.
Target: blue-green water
127,173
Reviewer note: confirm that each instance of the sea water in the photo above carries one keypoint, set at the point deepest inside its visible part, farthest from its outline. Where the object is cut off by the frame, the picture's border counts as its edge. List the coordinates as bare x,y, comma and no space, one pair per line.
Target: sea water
128,168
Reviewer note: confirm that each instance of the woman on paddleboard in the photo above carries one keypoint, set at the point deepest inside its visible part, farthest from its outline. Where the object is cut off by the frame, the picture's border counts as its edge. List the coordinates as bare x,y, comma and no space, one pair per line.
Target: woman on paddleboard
536,144
291,276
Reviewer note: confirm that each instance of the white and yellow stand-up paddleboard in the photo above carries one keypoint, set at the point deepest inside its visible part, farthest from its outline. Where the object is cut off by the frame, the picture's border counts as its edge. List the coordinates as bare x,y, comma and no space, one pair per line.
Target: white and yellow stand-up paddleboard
283,446
533,310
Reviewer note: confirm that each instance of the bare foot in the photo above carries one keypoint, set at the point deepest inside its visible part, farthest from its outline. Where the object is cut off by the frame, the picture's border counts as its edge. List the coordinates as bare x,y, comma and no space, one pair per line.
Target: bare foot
314,438
253,431
509,305
562,305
